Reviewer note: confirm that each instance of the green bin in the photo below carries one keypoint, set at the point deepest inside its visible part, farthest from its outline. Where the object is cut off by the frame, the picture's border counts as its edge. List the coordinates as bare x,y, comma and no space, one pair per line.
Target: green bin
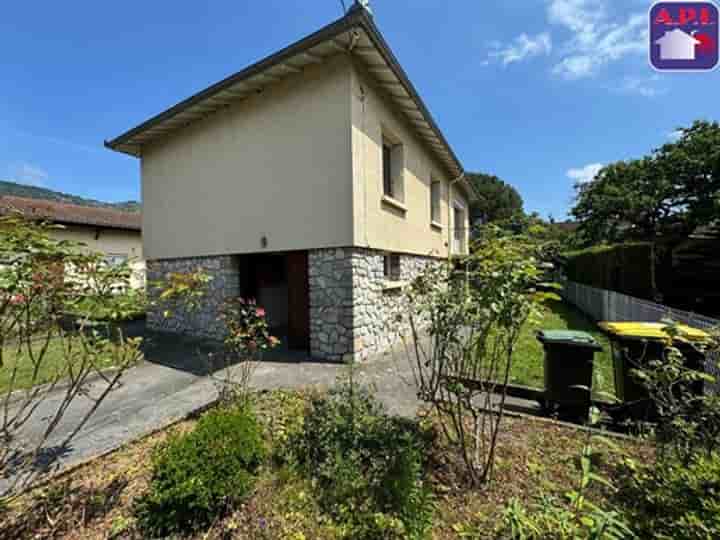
569,359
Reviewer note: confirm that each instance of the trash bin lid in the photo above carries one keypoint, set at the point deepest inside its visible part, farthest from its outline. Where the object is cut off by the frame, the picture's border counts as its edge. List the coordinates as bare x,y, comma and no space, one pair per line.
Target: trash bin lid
568,337
652,331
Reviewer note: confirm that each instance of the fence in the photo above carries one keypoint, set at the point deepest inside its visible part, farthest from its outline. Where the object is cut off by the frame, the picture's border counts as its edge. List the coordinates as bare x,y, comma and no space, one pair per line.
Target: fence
612,306
603,305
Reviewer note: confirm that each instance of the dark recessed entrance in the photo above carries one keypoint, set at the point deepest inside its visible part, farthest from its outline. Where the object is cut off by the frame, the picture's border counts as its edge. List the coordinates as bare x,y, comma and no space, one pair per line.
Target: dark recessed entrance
279,283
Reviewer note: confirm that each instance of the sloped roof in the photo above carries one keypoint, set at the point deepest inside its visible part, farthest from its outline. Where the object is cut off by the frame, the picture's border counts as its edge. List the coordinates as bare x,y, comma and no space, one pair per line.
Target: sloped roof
355,34
64,213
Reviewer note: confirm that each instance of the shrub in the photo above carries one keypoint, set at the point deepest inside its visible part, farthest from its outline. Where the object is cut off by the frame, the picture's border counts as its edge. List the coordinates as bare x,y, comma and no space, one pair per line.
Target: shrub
368,467
675,501
196,476
626,268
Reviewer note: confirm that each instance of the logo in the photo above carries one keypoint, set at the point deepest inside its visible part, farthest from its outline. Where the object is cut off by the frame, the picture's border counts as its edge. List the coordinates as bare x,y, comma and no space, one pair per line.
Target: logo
684,36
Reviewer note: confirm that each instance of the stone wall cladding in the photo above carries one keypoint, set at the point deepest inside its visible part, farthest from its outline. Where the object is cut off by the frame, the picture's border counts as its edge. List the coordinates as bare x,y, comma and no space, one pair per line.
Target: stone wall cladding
330,276
203,322
375,306
350,306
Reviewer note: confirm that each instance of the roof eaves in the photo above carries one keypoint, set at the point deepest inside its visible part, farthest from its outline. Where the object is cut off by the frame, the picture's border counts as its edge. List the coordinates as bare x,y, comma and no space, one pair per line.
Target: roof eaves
333,29
384,49
354,18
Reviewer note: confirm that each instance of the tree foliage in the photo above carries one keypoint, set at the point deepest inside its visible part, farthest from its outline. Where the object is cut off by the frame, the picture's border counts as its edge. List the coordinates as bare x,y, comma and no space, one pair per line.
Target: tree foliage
497,201
668,193
42,280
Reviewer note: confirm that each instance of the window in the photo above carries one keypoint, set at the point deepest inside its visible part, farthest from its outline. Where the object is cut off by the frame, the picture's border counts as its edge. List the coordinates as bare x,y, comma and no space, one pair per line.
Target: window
391,267
387,171
435,195
392,168
459,228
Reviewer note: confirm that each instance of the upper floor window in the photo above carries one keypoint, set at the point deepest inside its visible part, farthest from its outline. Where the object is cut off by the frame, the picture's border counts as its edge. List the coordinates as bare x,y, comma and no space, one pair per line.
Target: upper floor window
392,167
435,195
459,228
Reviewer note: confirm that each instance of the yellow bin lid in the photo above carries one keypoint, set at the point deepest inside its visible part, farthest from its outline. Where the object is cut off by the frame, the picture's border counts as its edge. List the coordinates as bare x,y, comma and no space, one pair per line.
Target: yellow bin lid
645,330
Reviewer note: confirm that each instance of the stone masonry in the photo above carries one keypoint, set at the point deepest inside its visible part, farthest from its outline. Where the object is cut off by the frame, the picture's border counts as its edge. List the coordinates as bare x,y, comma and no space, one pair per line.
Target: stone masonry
351,303
204,321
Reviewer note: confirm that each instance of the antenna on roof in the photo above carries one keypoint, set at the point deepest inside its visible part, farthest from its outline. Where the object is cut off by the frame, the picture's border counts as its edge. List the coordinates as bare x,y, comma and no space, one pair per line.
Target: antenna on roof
344,8
362,4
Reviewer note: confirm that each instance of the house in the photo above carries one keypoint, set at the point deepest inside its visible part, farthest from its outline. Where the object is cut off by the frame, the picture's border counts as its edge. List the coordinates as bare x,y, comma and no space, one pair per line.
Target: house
113,233
677,45
315,181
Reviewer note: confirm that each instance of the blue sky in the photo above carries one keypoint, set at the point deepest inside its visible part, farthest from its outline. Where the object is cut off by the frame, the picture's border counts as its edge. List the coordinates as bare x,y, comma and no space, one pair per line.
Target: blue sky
538,92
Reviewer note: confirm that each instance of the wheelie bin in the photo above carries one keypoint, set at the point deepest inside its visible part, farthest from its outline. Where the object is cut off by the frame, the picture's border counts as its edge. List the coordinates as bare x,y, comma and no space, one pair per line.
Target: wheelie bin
634,345
569,360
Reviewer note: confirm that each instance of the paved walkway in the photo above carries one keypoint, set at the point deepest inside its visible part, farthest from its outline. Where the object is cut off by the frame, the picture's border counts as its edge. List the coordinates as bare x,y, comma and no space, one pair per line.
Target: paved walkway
173,383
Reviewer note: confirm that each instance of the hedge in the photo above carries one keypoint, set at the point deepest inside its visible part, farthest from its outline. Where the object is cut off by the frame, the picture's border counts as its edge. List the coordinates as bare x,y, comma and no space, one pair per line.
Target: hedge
624,268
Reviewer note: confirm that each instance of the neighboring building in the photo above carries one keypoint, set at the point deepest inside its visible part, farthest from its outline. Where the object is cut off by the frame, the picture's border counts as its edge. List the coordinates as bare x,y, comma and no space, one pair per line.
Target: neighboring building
113,233
315,181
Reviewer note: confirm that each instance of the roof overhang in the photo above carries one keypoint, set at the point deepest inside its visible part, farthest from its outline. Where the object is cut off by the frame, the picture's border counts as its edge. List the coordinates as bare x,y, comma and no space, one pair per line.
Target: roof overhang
354,34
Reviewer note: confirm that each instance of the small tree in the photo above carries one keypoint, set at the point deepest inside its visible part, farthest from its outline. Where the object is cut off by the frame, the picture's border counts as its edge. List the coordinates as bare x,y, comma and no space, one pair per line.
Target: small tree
465,320
41,281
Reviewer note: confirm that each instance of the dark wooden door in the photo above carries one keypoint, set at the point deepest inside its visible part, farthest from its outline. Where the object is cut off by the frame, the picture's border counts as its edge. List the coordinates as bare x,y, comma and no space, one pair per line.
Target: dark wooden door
298,300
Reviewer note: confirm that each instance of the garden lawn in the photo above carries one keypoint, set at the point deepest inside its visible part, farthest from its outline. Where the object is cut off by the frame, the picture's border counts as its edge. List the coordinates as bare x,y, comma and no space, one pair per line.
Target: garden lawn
528,362
51,367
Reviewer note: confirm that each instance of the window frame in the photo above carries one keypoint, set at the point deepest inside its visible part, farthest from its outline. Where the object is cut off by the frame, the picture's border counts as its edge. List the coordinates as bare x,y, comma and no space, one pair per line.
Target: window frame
435,205
392,267
459,233
392,166
388,183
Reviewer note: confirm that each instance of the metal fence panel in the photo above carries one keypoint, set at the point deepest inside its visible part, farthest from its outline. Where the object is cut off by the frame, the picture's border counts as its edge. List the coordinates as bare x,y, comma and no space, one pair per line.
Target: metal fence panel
604,305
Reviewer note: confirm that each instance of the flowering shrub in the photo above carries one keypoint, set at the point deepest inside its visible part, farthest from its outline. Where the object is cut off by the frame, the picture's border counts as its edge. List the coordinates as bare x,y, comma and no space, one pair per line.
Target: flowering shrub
248,330
248,335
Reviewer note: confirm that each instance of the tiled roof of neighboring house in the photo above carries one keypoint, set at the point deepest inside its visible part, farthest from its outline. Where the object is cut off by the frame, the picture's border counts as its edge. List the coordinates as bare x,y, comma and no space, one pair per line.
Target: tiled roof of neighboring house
74,214
354,34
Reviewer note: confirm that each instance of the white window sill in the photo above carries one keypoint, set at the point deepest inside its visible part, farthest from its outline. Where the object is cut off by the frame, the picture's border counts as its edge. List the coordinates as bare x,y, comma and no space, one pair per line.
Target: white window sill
389,285
394,203
437,226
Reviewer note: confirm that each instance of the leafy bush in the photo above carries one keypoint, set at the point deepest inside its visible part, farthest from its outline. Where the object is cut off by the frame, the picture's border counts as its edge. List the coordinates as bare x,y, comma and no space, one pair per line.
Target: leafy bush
672,500
124,306
197,475
368,467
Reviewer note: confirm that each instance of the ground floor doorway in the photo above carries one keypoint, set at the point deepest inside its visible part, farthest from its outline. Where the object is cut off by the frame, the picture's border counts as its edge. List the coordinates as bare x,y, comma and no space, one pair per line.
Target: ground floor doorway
279,283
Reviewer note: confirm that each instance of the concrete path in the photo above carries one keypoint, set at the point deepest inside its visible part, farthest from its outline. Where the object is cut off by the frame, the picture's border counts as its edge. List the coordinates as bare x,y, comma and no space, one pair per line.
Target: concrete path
173,383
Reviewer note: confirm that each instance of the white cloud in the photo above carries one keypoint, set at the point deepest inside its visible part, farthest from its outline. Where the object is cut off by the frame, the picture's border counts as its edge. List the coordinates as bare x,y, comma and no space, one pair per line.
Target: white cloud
26,173
595,39
585,174
675,135
522,47
642,86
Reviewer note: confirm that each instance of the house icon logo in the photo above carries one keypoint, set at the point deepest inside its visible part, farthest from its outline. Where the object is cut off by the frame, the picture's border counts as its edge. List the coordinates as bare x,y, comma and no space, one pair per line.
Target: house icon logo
684,36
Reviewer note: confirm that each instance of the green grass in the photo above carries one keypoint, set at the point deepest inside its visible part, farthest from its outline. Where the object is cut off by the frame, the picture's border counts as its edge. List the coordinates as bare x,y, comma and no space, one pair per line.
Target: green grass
528,361
52,365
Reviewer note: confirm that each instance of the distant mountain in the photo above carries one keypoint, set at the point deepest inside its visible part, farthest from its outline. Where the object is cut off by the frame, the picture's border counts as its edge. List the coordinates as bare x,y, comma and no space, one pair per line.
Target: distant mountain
34,192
